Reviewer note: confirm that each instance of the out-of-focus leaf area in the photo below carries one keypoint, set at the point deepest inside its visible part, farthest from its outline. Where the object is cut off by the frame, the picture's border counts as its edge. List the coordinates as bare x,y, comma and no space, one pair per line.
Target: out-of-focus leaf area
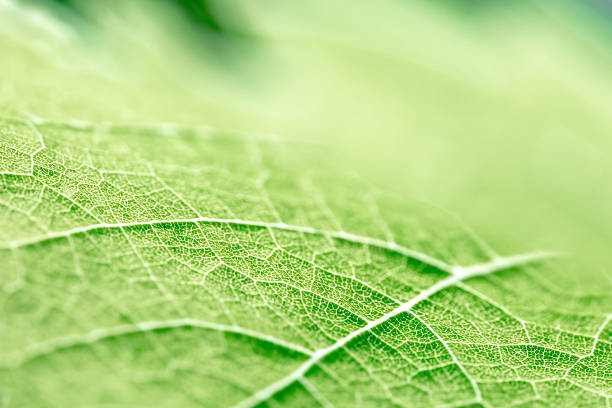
291,203
498,111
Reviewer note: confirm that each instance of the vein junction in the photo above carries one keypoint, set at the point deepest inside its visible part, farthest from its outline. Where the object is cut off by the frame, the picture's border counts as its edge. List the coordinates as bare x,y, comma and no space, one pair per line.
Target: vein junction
124,198
459,274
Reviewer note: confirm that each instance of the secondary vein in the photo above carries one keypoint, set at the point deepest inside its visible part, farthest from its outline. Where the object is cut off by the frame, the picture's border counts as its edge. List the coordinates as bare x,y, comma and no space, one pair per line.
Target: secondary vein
459,274
340,235
65,342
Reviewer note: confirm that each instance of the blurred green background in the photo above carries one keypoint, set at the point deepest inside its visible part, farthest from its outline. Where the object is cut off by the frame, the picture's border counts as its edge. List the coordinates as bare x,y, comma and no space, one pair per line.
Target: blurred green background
497,111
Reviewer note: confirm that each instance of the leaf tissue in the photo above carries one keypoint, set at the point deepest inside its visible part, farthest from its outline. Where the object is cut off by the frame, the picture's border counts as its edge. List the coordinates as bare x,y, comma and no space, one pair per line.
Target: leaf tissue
230,204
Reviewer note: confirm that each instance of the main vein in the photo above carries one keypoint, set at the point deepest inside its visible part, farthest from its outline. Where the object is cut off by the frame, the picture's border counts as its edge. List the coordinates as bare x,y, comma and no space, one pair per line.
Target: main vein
340,235
459,274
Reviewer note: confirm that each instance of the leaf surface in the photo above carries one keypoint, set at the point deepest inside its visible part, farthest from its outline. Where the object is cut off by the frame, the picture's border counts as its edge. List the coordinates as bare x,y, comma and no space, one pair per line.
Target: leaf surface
151,270
149,260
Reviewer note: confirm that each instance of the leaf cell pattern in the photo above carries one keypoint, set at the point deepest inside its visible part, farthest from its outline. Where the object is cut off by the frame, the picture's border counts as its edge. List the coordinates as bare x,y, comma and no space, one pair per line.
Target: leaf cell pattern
149,265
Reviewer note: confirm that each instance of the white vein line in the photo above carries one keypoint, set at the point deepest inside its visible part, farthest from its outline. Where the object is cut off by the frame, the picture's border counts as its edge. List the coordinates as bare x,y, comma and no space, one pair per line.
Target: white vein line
342,235
40,139
492,302
459,274
595,341
504,262
65,342
42,147
598,334
473,383
13,173
589,389
316,394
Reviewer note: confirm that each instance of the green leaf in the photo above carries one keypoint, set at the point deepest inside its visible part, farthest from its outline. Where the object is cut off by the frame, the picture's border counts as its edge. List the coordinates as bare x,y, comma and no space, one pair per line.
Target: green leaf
149,270
149,260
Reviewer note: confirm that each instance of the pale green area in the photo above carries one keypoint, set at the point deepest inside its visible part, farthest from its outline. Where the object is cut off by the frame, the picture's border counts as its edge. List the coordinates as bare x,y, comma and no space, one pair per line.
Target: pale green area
183,228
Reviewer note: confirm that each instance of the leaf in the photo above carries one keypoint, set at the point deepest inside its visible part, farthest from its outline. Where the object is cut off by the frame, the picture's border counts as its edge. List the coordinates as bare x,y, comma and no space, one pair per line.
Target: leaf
150,263
151,270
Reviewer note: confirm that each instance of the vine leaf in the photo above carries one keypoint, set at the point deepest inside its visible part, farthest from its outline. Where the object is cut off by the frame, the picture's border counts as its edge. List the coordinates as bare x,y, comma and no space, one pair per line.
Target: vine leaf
211,269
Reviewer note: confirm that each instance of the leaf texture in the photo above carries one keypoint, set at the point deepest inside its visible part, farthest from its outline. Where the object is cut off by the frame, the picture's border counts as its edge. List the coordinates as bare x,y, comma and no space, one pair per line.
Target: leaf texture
150,265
